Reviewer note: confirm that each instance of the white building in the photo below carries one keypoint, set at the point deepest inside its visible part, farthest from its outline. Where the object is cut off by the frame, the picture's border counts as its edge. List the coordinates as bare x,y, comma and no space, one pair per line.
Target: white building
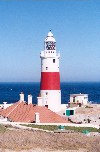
79,98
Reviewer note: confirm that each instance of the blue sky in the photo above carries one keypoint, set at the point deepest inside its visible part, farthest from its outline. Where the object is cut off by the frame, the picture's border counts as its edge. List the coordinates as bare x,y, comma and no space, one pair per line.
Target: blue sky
25,23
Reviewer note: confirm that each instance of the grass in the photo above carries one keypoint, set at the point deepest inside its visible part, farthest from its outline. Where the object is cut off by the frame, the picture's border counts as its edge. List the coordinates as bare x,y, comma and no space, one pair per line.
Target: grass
2,128
44,127
81,129
55,127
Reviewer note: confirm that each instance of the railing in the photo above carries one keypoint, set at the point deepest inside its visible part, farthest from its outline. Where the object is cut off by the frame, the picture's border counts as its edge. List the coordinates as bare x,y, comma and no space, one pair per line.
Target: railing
45,54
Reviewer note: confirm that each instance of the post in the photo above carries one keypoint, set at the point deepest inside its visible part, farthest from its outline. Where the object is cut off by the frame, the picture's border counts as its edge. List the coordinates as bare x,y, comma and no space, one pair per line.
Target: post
37,117
30,99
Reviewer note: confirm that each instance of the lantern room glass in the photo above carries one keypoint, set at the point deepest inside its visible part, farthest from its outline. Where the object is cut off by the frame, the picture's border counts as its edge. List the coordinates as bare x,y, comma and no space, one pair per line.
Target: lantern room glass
50,46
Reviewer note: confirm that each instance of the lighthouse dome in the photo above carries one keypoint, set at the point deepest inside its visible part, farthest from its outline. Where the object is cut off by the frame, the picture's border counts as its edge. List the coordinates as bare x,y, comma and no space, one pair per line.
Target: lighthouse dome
50,34
50,37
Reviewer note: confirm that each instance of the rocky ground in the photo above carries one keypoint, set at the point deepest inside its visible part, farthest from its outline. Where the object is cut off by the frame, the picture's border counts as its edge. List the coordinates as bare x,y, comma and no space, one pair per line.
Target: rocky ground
88,114
18,140
89,109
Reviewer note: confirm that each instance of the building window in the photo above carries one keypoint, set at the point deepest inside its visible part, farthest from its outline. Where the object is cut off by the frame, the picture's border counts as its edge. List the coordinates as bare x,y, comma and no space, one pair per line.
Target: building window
46,93
53,60
46,68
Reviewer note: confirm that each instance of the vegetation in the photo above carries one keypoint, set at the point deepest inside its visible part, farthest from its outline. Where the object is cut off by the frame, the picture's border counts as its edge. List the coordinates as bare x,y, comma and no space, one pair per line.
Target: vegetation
81,129
44,127
88,107
2,128
55,127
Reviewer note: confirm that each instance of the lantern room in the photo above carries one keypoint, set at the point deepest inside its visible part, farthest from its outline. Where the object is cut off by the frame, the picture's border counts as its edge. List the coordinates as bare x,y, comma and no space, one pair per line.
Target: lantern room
50,42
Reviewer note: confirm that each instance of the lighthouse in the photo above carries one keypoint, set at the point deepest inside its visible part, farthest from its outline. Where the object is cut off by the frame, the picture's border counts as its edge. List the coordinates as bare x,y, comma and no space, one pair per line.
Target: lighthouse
50,93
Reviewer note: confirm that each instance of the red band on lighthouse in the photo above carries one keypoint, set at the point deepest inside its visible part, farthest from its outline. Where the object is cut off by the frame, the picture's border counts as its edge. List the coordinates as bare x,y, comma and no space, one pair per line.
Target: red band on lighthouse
50,81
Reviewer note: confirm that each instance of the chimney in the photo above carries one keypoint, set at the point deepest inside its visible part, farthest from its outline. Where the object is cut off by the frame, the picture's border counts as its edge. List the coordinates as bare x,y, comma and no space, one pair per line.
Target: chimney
39,101
37,117
4,105
21,96
30,99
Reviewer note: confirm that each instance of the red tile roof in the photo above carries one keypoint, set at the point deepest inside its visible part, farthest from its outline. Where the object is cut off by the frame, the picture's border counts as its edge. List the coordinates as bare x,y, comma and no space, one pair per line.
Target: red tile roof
0,111
21,112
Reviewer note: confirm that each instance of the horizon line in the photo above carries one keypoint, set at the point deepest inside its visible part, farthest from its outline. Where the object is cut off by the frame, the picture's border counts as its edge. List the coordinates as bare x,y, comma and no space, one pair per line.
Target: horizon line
39,82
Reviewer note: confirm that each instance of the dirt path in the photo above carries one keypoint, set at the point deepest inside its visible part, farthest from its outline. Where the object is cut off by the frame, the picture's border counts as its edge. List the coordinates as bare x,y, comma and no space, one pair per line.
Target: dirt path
39,141
39,150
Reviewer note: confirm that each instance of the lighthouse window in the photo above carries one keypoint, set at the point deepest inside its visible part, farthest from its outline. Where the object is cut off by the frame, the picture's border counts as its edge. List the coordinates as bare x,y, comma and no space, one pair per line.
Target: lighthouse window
53,60
46,68
46,93
50,45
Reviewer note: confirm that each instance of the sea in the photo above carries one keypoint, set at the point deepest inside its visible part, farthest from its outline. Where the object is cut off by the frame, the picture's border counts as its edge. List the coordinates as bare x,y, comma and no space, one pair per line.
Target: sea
9,92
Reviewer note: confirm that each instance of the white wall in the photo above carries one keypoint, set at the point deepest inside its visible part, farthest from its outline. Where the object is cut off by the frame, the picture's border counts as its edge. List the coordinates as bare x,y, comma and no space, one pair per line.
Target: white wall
80,98
52,99
48,62
40,101
71,99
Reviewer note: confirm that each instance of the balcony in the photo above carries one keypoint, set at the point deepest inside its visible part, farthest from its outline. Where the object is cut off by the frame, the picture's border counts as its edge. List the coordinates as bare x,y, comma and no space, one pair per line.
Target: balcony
50,54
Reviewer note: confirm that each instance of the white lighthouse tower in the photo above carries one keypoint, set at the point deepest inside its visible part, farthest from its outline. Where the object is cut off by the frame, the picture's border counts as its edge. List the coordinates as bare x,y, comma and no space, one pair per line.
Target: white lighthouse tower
50,92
